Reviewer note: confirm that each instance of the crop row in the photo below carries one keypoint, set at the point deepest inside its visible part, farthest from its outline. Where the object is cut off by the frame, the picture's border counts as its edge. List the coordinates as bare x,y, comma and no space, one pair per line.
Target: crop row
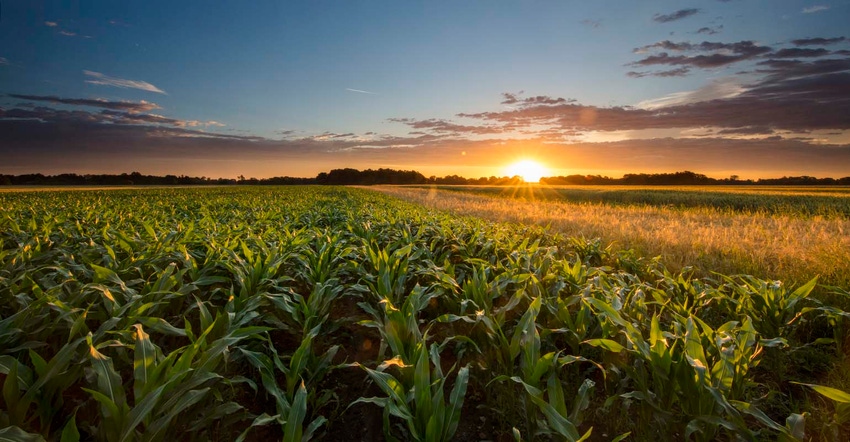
252,314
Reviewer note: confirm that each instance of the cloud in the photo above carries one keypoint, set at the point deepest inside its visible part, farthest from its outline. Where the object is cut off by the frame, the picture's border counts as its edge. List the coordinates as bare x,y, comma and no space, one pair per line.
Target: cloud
51,24
595,24
813,9
114,113
678,72
105,80
718,89
3,61
360,91
749,130
792,95
818,41
516,99
709,31
678,15
441,126
800,53
67,33
130,106
80,147
715,54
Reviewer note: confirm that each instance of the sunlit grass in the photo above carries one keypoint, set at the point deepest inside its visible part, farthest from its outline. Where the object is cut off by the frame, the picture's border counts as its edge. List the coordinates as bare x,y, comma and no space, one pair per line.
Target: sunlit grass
769,245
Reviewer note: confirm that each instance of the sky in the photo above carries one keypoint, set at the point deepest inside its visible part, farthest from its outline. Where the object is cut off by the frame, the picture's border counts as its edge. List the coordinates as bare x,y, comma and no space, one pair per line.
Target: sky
754,88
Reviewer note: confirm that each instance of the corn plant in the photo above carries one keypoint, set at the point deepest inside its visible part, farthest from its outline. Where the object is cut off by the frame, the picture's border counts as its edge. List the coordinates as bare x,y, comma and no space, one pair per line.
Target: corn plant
292,400
422,405
772,307
841,401
163,387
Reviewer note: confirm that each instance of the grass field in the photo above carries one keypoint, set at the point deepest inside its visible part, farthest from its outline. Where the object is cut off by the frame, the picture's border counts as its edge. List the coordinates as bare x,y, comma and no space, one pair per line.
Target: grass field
787,233
291,313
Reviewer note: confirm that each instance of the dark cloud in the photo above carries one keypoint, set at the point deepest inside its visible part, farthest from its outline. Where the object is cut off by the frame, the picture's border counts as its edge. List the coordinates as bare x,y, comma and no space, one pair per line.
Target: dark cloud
800,53
709,31
130,106
516,99
716,54
446,127
782,70
107,116
749,130
678,72
666,45
31,146
818,41
791,95
678,15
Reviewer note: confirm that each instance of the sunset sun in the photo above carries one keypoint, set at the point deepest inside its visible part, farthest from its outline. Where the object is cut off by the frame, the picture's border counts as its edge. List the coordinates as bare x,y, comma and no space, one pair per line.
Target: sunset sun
530,171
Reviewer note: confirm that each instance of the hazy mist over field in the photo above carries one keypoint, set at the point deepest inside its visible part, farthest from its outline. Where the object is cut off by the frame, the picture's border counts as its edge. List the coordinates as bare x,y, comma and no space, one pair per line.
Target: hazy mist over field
741,87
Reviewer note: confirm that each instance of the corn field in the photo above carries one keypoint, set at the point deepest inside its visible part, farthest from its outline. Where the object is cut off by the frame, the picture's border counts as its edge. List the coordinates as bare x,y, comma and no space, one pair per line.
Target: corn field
300,313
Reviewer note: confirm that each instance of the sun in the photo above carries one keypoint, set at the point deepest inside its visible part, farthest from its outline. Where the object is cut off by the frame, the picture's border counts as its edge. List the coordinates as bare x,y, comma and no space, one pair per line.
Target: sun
530,171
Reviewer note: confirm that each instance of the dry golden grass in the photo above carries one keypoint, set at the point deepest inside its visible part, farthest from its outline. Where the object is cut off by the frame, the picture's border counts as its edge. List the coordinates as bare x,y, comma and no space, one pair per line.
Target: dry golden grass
776,246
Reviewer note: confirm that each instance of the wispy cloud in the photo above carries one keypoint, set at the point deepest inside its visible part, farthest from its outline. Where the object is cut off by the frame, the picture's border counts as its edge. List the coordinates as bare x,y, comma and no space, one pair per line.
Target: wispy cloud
719,89
595,24
51,24
105,80
67,33
678,15
816,8
713,55
3,61
710,31
129,106
678,72
818,41
360,91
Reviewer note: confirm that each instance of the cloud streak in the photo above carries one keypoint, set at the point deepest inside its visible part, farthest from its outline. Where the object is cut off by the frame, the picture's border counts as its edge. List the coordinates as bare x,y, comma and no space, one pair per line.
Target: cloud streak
105,80
130,106
678,15
818,41
813,9
360,91
714,54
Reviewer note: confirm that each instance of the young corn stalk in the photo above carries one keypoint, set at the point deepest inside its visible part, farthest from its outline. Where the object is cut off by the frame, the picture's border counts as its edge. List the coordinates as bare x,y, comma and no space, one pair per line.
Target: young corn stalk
302,373
421,404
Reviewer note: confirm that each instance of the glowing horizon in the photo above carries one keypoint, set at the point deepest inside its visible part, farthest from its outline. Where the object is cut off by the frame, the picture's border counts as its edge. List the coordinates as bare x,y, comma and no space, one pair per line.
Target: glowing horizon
442,88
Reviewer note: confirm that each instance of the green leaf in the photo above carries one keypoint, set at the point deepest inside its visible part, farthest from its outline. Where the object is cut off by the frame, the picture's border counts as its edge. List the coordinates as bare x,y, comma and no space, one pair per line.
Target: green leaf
796,425
108,380
621,437
144,359
607,344
422,389
832,393
559,423
15,434
110,409
70,432
295,420
456,403
173,408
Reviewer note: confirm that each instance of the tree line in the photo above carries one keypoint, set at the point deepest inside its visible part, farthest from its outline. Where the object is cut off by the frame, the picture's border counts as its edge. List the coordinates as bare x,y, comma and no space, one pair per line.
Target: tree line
367,177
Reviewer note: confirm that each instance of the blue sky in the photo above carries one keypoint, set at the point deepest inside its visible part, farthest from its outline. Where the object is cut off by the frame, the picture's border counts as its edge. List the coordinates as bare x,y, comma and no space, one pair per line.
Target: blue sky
294,88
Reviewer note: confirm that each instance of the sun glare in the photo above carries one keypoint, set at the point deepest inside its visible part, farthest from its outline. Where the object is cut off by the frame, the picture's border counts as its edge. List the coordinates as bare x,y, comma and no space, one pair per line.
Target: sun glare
529,171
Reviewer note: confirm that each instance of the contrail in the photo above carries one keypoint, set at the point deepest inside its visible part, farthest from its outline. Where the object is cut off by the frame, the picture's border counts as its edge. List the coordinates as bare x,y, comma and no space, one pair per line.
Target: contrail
360,91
